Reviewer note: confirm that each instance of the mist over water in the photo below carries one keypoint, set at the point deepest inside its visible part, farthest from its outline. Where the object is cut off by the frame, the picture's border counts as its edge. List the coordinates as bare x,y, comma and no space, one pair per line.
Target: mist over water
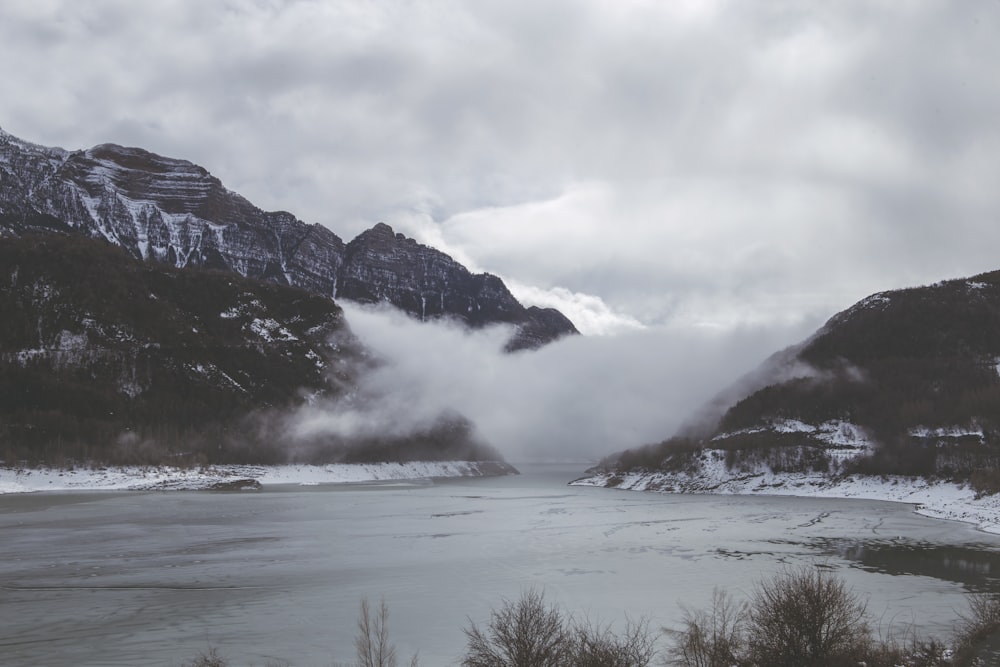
580,398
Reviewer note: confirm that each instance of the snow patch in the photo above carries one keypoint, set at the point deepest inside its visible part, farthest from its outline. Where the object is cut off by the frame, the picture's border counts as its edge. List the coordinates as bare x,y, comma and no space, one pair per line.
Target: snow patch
947,432
211,371
270,330
316,359
791,426
937,499
67,341
840,436
158,478
875,301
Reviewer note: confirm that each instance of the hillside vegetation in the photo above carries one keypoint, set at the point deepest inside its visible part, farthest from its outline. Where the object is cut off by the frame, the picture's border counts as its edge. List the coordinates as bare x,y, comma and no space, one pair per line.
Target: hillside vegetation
904,382
107,359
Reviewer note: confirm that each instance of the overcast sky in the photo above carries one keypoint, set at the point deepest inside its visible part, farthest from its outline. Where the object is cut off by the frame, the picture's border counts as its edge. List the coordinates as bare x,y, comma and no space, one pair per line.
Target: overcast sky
671,171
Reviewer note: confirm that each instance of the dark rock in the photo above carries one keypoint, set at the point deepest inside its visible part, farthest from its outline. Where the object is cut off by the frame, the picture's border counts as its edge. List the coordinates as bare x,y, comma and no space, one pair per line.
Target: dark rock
236,485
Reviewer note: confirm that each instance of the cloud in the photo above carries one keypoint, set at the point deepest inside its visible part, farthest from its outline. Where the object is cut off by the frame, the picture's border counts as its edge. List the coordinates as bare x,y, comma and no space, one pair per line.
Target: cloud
347,112
704,255
579,399
589,313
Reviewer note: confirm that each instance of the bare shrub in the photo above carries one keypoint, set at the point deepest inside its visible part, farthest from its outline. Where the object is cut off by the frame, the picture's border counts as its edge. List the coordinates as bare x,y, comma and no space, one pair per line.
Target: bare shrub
209,658
594,646
799,617
531,633
525,633
712,638
981,622
985,482
807,617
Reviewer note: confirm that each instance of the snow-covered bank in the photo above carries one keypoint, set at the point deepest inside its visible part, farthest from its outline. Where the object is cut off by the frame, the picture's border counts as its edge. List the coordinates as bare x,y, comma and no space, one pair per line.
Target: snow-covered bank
942,500
135,478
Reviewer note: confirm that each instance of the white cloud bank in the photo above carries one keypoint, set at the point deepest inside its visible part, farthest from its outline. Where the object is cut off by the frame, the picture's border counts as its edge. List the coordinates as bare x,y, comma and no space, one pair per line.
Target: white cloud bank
589,313
578,399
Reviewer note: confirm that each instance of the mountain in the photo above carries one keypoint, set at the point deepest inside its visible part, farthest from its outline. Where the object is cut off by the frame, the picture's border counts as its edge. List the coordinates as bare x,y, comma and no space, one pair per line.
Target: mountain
177,213
904,382
108,359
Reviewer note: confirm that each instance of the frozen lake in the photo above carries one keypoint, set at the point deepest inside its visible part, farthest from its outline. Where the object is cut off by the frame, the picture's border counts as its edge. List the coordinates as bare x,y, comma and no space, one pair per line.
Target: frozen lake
154,578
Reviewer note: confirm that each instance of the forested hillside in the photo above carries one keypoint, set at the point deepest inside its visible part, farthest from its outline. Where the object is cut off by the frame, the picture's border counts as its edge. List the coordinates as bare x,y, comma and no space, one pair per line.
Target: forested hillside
904,382
105,358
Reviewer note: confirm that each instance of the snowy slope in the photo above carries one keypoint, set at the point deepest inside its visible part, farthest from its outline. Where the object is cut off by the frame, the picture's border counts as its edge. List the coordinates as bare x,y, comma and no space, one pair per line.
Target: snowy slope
939,499
162,478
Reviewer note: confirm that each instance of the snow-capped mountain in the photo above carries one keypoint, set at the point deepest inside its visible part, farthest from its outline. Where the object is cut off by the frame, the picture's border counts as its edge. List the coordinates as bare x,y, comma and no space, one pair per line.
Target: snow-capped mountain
176,212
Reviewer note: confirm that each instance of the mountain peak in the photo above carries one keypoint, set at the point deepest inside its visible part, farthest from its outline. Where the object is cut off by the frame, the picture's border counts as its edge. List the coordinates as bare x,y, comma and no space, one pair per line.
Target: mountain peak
382,229
381,233
174,211
139,159
382,265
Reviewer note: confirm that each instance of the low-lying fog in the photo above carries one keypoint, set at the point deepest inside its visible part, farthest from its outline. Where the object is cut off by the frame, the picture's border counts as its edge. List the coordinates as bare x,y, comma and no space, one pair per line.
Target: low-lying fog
580,398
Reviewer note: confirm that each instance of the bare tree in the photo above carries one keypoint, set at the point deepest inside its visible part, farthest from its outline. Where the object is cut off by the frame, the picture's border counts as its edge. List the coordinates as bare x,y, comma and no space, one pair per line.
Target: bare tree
372,640
712,638
526,633
807,617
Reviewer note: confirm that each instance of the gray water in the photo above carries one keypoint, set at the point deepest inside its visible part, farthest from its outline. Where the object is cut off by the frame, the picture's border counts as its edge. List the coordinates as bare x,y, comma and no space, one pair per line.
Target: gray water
155,578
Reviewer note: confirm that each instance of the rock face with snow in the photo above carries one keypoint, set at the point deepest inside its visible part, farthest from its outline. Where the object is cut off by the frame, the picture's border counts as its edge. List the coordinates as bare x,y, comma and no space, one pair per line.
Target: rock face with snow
380,265
107,358
904,382
175,212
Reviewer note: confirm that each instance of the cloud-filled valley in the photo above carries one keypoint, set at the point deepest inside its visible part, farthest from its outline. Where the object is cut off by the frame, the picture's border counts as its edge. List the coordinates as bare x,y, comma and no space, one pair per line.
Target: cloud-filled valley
578,399
695,184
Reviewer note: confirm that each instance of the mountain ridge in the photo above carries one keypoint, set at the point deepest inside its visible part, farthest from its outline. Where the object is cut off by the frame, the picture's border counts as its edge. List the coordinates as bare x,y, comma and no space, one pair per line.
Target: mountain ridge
176,212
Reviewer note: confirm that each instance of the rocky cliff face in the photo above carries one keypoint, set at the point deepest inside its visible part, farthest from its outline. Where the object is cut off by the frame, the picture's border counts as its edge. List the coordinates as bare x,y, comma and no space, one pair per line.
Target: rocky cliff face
103,357
175,212
380,265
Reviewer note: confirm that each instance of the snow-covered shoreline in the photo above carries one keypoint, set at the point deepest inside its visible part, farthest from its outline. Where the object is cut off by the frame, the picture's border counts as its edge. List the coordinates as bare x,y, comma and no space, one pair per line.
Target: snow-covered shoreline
156,478
937,499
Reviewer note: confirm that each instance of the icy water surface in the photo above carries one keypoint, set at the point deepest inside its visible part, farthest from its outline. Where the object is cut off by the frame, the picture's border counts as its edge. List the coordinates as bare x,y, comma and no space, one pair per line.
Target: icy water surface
154,578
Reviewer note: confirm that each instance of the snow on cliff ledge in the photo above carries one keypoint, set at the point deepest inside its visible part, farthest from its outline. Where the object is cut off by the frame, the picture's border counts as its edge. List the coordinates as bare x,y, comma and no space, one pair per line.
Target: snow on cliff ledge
154,478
